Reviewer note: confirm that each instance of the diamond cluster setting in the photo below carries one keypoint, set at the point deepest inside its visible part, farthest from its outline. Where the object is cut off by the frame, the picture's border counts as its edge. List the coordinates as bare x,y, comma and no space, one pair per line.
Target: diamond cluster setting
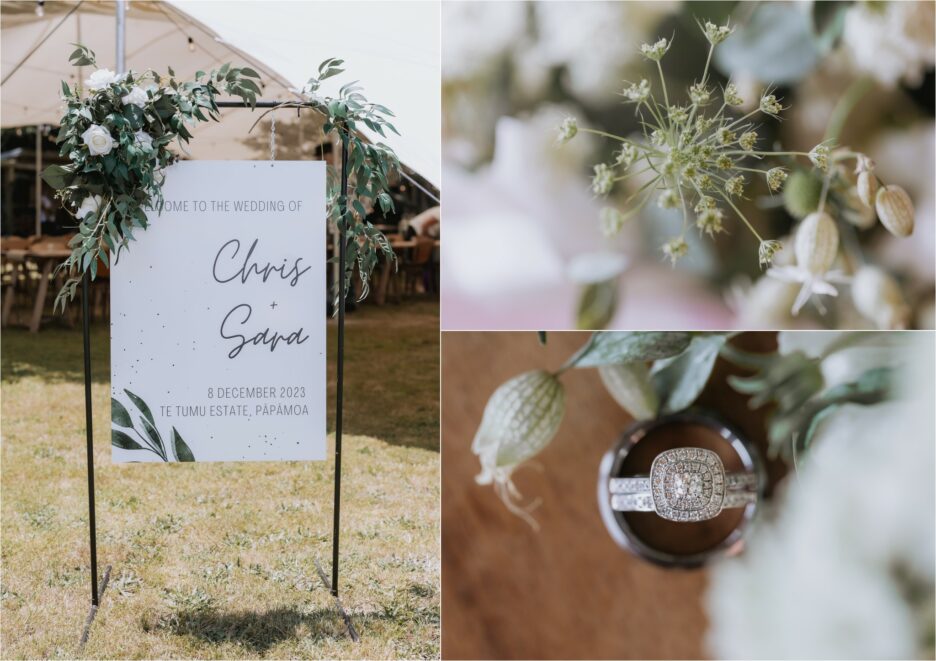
687,484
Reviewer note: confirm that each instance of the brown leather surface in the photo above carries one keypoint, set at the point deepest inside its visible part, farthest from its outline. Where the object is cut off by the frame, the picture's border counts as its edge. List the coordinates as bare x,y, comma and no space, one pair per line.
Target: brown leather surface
566,591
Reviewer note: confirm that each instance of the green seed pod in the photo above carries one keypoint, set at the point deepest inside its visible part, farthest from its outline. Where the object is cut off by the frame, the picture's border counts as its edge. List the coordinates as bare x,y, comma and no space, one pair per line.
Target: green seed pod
520,419
895,209
801,194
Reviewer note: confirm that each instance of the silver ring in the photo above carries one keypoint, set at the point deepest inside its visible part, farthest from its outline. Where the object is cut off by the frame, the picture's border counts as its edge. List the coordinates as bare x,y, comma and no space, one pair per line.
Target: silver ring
685,485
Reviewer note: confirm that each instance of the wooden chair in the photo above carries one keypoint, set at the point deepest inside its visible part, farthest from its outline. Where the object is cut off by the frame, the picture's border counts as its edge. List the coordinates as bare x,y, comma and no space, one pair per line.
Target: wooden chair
418,267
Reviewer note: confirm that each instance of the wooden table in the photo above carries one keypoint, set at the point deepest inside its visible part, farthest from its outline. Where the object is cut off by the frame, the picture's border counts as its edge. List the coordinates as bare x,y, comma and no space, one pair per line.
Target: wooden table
566,591
46,258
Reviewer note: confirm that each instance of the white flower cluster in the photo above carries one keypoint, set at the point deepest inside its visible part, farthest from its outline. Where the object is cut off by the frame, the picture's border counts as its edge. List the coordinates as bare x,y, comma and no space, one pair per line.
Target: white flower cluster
850,547
690,156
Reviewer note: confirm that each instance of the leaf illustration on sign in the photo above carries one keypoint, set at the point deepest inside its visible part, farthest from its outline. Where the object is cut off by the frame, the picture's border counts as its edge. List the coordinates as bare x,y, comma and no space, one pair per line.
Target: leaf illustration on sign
150,440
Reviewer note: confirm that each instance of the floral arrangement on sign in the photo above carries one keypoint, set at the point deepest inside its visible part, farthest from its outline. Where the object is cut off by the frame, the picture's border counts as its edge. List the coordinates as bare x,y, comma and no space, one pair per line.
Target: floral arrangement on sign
649,373
118,139
698,158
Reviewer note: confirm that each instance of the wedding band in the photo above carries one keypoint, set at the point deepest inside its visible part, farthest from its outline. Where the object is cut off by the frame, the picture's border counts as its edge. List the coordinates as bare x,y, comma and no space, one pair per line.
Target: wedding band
685,484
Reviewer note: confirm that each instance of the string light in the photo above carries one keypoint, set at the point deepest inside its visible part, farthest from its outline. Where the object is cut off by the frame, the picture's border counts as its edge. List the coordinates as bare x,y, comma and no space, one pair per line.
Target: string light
40,8
191,45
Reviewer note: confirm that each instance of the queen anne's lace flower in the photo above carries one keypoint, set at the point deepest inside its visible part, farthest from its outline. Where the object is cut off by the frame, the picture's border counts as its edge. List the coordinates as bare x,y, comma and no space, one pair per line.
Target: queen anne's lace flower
700,94
775,178
819,156
612,221
716,33
567,129
603,180
626,155
696,154
735,186
731,95
655,51
675,249
710,222
638,92
770,105
748,140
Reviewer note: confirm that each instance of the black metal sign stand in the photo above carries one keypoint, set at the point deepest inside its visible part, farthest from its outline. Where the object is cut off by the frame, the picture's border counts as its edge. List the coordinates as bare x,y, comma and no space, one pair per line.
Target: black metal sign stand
332,585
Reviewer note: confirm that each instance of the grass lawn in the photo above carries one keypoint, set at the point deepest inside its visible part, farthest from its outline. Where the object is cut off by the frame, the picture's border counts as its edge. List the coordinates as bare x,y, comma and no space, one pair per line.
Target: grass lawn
216,560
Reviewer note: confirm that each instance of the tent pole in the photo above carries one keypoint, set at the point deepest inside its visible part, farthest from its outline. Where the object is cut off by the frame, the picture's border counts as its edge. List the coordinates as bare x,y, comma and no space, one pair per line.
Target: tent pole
38,180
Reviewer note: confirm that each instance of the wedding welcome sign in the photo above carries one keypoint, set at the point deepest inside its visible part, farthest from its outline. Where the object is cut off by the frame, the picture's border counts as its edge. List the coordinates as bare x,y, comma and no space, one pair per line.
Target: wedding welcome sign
218,318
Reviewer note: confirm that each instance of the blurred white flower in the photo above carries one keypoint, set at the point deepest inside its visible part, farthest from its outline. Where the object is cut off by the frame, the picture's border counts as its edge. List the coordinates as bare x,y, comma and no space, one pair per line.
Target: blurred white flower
829,576
892,41
592,267
136,97
611,29
477,33
90,204
102,78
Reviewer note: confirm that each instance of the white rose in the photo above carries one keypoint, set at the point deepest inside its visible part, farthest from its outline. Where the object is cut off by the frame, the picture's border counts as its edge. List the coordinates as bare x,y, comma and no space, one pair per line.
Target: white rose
98,139
136,97
90,204
143,139
101,79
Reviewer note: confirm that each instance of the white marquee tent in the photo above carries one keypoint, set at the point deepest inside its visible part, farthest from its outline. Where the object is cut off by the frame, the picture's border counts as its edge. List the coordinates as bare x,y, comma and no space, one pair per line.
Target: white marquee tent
392,48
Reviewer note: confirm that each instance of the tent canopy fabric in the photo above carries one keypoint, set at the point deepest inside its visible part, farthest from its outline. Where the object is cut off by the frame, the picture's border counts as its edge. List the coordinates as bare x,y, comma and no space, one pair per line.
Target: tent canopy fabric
392,48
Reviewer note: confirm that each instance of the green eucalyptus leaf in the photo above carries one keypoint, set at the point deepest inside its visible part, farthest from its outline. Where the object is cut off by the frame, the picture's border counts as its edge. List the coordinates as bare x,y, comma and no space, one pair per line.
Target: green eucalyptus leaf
596,305
140,404
617,347
123,441
679,380
182,451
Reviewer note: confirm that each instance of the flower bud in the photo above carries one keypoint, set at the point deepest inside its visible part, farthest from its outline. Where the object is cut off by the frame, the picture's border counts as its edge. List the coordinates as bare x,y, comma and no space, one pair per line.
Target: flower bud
520,419
675,249
801,194
603,180
816,243
567,130
655,51
611,221
631,388
877,297
867,188
895,209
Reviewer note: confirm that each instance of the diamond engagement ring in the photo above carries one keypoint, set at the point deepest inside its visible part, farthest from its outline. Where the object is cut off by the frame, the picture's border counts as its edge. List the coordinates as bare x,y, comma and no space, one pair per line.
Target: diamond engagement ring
685,484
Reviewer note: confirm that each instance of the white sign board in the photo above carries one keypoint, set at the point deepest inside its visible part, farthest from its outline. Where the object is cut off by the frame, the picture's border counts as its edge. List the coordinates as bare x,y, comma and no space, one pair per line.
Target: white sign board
218,318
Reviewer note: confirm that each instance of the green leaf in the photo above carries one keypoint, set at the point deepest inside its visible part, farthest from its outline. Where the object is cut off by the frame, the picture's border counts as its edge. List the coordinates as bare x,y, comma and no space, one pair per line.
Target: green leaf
596,305
140,404
182,451
154,436
57,176
679,380
121,440
541,336
615,347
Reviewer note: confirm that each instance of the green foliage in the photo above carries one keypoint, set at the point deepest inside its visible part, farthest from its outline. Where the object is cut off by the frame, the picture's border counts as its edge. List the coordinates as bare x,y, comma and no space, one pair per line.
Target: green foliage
596,305
793,384
150,440
618,348
679,380
370,168
126,179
